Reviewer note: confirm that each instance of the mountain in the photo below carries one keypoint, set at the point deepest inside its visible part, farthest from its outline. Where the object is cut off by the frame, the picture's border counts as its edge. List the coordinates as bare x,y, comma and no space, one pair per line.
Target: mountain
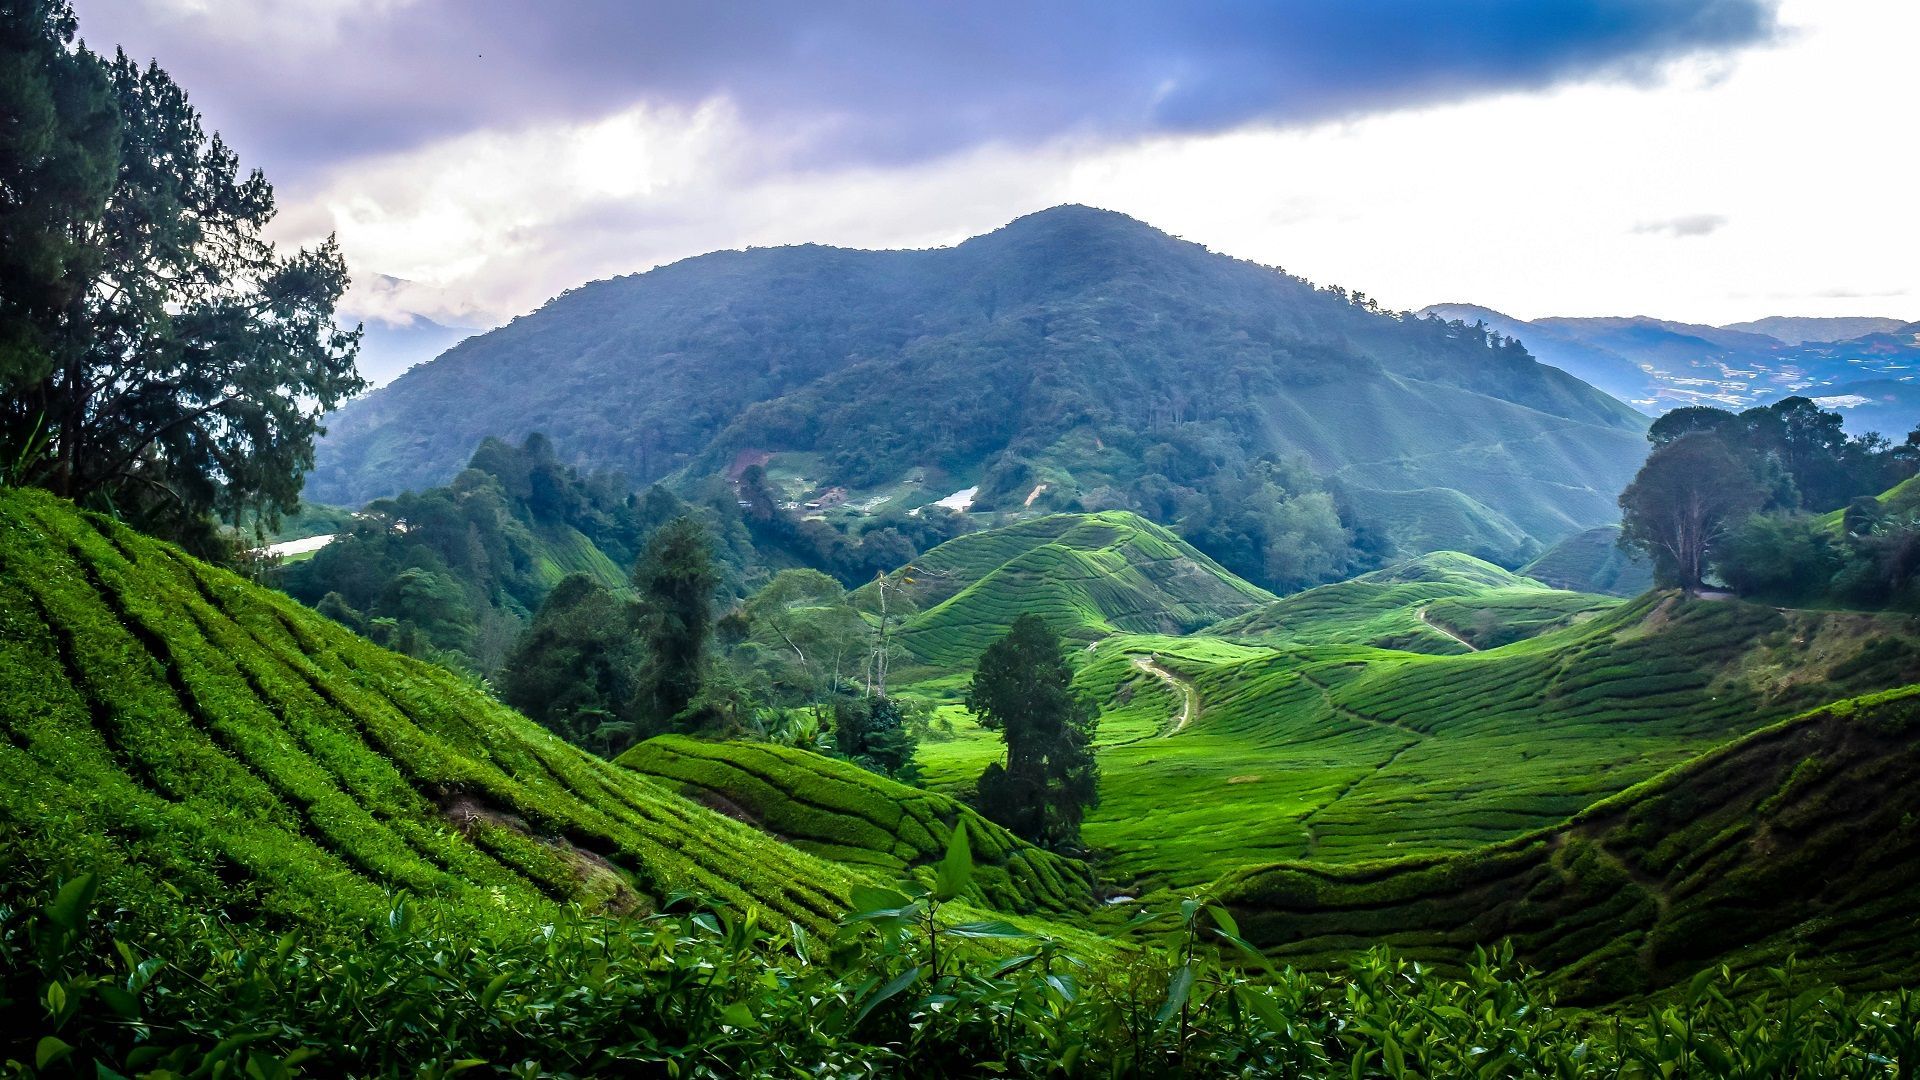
1862,368
1076,357
391,345
1801,331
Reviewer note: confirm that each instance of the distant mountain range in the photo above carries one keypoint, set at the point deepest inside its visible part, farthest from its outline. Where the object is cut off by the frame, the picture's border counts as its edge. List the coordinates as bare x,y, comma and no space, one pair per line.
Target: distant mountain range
1074,359
1865,368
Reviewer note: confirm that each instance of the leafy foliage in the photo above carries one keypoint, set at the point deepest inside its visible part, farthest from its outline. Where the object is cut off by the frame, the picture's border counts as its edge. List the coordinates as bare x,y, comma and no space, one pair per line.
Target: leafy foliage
159,356
1024,690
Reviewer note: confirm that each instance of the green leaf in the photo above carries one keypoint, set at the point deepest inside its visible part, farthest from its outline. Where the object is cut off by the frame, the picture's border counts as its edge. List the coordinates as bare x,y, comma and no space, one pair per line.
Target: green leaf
992,929
50,1050
71,904
738,1015
1223,920
1179,988
867,898
894,986
492,993
956,870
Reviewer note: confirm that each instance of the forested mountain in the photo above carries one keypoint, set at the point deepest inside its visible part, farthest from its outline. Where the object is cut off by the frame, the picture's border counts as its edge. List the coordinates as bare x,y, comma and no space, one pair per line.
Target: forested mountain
1860,366
1074,348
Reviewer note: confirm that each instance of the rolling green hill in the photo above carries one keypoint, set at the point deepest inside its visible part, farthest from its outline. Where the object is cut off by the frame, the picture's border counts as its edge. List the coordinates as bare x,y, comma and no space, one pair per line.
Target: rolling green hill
839,811
1441,603
1343,752
1800,838
1592,561
1089,575
1075,348
169,724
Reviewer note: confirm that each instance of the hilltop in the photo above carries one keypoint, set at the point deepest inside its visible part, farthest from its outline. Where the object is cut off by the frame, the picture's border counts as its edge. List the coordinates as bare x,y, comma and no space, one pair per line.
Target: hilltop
1074,356
1089,575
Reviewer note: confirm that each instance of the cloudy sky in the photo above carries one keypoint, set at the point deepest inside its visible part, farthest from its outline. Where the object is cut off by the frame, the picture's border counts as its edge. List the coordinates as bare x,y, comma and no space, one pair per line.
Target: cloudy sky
1710,161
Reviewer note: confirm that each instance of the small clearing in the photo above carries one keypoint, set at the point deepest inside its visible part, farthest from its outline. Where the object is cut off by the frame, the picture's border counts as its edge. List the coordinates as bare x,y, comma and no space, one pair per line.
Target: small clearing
960,500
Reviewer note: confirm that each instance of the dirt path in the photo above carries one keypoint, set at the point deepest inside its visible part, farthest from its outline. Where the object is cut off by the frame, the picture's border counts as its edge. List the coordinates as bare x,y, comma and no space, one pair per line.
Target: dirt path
1437,628
1189,699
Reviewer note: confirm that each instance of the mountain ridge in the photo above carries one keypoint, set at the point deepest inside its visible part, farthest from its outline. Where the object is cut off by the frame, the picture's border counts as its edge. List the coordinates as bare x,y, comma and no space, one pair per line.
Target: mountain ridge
986,361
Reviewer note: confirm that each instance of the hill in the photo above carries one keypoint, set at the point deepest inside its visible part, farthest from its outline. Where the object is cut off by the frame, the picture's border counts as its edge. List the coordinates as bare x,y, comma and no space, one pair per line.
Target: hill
1089,575
1075,348
1215,753
1798,839
1592,561
842,812
190,735
1417,606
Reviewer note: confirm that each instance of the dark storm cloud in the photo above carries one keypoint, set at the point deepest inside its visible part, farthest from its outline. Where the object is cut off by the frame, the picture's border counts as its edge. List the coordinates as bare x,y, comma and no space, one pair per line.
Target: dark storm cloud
879,82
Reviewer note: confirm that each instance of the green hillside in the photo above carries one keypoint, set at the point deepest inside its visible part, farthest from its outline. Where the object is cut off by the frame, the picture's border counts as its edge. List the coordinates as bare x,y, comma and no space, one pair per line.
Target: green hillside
1088,575
189,734
1442,603
1075,348
842,812
1799,838
1591,561
1349,753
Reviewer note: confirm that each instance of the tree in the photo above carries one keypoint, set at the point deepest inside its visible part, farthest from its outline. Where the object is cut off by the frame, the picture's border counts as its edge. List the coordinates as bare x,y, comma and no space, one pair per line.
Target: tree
59,145
676,579
185,363
811,637
1023,689
576,669
874,733
1685,497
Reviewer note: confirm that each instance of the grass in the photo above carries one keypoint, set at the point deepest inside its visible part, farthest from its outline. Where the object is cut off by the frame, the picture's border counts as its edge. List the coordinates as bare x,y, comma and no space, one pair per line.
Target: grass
842,812
1796,839
170,723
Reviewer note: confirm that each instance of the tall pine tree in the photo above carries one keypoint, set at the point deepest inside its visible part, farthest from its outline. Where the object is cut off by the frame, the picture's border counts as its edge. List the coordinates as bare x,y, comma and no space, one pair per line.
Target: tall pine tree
1024,690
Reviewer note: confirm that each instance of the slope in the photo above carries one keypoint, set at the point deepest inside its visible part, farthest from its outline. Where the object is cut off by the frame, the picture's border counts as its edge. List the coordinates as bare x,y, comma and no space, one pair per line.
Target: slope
839,811
1800,838
1088,575
1592,561
169,723
995,362
1345,753
1415,606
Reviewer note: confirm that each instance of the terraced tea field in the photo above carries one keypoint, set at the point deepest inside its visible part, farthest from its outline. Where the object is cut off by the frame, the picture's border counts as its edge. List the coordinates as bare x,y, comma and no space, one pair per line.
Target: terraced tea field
1088,575
1350,753
162,721
1797,839
839,811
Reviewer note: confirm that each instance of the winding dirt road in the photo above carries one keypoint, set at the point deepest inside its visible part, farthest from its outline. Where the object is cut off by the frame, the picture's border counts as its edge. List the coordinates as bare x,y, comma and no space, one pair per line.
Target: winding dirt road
1437,628
1189,698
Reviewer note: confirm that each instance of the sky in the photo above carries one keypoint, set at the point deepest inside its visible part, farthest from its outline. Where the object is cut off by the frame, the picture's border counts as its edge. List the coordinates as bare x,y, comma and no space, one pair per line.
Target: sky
1708,161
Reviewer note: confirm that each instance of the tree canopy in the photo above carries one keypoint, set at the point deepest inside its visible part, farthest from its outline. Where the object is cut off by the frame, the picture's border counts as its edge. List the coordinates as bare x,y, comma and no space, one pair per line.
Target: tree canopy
1023,689
159,356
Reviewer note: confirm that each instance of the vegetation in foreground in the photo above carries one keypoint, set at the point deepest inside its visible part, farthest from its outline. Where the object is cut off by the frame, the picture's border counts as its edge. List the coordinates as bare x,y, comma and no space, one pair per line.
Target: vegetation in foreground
898,988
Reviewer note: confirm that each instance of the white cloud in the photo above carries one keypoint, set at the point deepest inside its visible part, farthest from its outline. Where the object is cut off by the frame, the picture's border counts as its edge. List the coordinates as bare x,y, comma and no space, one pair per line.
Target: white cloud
1787,172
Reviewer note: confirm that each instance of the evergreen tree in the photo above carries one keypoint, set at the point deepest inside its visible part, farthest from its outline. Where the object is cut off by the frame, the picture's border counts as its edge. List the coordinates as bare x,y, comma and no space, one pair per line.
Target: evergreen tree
1023,689
675,578
874,734
157,355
